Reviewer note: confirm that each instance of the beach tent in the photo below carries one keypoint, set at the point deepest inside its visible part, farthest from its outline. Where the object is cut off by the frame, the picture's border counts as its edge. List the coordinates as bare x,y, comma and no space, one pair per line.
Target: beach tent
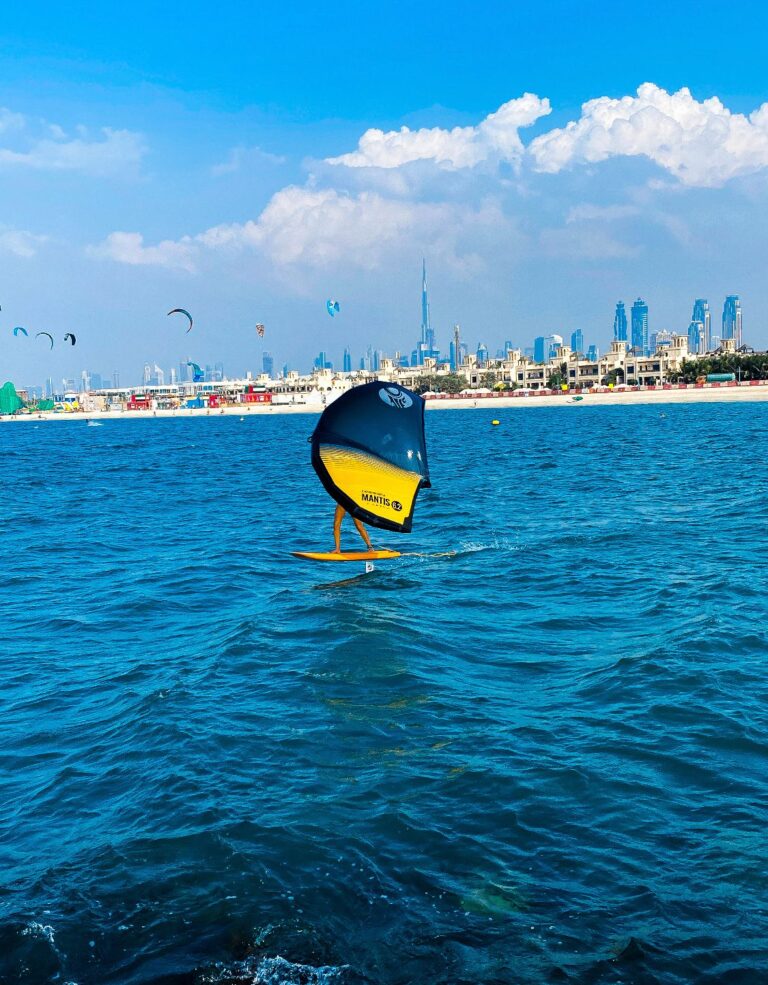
10,401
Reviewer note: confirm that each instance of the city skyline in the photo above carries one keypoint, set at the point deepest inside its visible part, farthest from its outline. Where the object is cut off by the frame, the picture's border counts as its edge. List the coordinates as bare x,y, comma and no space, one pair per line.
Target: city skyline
542,349
538,194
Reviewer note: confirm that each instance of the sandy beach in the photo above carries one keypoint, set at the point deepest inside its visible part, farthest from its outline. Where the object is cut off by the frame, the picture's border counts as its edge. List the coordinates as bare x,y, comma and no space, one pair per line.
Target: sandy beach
709,393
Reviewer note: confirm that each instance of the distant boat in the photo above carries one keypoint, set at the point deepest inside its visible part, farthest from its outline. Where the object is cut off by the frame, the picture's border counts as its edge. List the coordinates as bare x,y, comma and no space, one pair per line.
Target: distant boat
93,424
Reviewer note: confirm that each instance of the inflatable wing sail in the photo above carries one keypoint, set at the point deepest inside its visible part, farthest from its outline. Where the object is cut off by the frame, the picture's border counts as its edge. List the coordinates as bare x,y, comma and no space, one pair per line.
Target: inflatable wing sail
368,450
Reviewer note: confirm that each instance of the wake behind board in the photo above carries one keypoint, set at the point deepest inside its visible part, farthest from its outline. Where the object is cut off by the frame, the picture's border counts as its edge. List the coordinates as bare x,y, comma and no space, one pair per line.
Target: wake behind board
346,555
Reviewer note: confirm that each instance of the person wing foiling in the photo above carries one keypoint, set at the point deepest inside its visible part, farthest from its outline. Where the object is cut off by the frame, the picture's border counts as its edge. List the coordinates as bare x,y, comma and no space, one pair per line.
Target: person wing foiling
369,452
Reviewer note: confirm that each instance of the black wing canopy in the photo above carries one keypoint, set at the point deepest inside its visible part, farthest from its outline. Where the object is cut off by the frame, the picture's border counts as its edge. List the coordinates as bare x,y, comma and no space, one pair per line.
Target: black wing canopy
368,450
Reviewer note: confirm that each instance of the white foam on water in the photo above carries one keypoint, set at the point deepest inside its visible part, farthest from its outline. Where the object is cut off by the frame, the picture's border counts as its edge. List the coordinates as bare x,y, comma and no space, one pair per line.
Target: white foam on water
36,929
275,971
497,544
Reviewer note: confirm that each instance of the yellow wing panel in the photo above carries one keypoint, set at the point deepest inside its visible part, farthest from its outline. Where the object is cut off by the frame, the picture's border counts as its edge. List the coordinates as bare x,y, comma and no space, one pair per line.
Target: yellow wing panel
376,486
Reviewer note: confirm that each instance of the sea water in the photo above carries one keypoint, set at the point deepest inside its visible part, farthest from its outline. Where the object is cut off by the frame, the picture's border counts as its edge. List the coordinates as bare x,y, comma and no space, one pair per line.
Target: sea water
541,759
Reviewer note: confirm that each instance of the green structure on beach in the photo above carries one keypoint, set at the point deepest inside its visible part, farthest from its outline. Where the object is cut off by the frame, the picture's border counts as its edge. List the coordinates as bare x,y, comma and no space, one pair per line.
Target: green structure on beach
10,401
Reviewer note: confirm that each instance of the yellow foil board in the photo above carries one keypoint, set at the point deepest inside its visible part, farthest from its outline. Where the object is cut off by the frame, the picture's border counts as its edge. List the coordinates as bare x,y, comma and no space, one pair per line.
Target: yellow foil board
346,555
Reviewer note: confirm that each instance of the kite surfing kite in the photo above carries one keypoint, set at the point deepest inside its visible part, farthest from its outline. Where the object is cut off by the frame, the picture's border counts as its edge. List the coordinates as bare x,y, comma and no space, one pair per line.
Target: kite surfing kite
369,452
47,335
197,374
332,307
20,329
260,330
71,338
182,311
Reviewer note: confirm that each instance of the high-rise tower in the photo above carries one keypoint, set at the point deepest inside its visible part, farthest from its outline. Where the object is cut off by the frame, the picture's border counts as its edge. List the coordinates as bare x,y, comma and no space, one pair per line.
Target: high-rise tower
640,327
456,349
620,323
732,319
427,335
426,345
700,329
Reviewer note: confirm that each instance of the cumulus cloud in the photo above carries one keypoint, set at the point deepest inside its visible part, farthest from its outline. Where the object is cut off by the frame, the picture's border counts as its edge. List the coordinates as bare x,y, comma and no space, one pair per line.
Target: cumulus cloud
364,209
495,138
129,248
702,144
320,227
315,229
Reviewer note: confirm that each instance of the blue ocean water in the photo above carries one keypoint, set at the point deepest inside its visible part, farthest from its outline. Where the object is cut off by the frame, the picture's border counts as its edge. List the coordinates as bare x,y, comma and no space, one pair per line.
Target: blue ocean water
543,759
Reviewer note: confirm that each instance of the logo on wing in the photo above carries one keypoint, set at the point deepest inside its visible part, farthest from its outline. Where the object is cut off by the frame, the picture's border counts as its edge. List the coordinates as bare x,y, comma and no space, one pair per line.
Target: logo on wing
395,396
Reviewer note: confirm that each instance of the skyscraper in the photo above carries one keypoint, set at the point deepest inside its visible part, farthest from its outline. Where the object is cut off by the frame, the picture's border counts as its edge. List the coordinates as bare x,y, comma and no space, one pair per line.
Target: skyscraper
268,364
426,345
593,353
482,355
545,347
456,349
700,329
427,335
577,341
620,323
640,326
347,360
732,319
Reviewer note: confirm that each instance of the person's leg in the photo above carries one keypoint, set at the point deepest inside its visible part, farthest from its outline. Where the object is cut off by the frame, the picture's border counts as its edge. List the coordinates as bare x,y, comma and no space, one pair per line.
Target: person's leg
337,518
363,533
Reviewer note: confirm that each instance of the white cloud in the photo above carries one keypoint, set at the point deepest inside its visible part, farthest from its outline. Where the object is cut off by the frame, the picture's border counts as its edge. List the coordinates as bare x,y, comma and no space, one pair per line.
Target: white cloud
240,157
20,242
129,248
117,151
317,228
586,242
9,120
702,143
495,138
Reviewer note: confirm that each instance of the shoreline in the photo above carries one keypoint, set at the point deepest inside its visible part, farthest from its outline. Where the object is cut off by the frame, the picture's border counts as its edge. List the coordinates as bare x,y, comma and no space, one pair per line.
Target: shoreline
712,393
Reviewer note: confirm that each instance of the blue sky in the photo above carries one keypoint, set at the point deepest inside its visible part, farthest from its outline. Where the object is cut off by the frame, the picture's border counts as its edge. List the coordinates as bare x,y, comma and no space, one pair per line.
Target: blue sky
248,162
